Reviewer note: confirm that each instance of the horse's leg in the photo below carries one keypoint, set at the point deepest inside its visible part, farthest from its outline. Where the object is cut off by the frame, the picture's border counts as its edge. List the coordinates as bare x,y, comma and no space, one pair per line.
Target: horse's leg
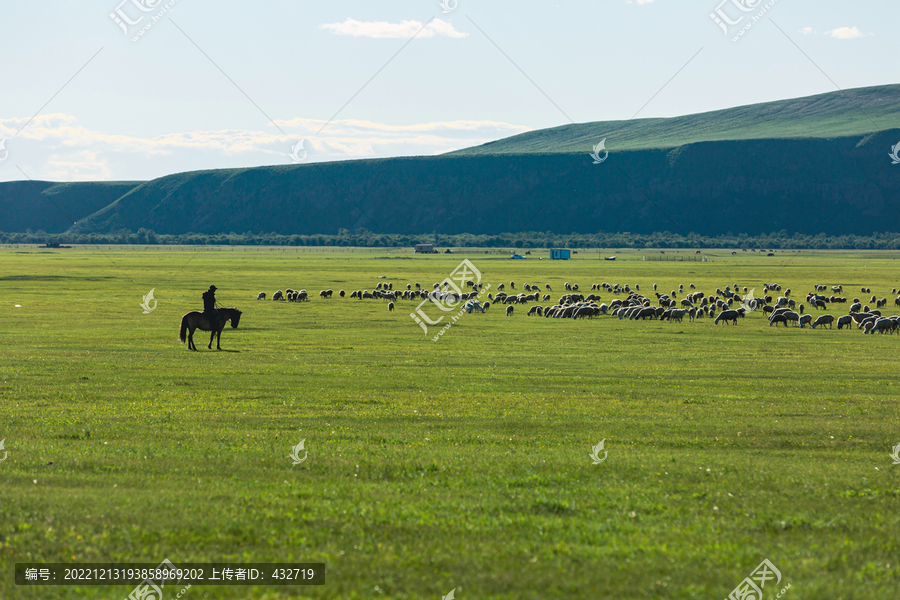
219,338
212,334
191,345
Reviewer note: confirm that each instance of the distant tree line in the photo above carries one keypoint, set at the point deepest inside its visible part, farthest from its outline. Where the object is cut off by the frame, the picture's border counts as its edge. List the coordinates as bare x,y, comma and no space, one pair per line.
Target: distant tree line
781,240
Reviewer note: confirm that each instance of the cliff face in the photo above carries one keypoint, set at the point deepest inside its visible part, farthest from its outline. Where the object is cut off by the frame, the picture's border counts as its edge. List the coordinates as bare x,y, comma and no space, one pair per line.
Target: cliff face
840,185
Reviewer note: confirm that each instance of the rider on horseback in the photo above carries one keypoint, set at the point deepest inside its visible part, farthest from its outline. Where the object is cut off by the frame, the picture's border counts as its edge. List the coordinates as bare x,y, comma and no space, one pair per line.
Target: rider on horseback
209,308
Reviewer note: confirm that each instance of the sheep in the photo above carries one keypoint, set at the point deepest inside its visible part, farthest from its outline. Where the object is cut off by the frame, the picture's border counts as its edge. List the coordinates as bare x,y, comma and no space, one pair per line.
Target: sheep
845,321
261,296
864,322
342,292
390,306
805,320
485,306
509,311
326,293
882,325
279,295
823,320
778,319
728,315
678,315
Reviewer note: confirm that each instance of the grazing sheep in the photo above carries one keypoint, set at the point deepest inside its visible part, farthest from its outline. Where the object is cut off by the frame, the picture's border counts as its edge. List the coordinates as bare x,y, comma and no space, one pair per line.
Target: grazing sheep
778,319
792,316
390,306
485,306
728,315
845,321
805,320
882,325
342,292
824,320
509,310
678,315
279,295
261,296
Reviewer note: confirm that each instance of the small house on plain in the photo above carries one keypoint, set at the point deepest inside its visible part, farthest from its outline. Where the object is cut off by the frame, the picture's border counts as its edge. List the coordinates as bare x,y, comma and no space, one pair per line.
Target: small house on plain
560,254
424,249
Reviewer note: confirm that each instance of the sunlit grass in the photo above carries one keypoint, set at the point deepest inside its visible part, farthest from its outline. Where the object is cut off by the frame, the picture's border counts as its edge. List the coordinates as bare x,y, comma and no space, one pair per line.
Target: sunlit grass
458,464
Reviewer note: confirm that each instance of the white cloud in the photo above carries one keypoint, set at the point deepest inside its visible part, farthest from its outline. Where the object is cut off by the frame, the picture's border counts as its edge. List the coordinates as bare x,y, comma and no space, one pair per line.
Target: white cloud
845,33
56,147
639,2
807,31
403,29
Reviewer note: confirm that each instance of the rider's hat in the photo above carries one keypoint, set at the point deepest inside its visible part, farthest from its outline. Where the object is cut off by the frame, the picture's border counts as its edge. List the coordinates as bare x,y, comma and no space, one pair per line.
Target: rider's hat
212,288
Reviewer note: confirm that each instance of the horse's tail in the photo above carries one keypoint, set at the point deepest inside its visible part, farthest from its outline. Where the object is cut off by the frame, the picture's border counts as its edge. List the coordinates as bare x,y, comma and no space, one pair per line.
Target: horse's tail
184,327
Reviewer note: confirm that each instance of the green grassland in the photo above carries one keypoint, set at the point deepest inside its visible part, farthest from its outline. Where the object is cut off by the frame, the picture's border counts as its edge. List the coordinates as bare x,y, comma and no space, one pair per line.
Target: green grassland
459,464
845,113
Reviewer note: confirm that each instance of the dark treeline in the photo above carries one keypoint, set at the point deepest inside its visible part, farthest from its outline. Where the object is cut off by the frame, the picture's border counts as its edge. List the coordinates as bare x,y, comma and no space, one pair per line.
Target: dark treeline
364,238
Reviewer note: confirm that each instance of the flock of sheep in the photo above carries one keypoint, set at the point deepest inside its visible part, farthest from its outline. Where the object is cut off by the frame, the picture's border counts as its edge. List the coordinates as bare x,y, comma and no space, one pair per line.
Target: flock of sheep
726,306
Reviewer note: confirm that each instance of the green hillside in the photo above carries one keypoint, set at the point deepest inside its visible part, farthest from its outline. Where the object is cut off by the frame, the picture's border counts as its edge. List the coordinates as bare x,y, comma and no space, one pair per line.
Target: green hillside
54,207
835,114
811,165
844,185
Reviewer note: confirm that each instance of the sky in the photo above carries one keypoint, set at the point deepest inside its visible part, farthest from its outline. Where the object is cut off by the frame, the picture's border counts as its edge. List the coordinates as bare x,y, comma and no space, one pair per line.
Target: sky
139,89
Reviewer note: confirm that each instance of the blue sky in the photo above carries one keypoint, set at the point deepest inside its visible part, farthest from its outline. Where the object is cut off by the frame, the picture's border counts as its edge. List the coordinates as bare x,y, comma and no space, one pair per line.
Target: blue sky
201,87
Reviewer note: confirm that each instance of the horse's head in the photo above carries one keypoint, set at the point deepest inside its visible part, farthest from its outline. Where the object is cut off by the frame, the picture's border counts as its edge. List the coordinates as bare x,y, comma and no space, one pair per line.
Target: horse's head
235,319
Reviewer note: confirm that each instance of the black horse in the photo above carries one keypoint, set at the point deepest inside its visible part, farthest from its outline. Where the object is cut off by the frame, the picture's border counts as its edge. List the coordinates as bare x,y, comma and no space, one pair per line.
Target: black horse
195,320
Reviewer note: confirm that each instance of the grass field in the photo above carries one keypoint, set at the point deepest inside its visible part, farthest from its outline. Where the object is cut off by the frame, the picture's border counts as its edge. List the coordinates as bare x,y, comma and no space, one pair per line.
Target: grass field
462,464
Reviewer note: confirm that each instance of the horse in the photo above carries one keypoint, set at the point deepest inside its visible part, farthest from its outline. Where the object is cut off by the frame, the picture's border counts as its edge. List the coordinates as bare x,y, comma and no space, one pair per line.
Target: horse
195,320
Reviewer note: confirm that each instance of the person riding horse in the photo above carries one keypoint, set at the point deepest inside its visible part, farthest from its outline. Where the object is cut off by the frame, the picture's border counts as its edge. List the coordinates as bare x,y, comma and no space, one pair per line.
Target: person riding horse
209,307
